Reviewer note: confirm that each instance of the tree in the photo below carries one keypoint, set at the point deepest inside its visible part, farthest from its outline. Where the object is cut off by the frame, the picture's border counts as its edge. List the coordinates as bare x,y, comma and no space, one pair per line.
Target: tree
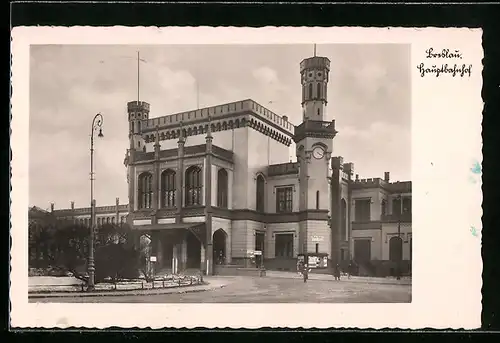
65,246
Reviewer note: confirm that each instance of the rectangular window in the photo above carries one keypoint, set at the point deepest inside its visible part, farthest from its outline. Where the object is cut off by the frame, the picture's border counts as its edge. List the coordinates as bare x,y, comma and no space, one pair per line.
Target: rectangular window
284,245
362,210
284,201
406,205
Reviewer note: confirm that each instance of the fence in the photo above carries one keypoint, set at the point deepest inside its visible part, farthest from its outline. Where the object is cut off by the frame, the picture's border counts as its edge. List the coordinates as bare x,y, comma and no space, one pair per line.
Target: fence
170,281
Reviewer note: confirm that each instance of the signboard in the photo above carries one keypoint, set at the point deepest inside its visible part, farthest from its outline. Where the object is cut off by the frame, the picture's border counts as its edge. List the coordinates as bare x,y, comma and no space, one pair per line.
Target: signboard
257,252
152,258
317,238
313,261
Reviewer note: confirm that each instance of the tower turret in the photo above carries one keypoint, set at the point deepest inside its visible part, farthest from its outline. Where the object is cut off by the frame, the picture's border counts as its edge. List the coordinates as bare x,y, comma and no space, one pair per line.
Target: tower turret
138,113
314,73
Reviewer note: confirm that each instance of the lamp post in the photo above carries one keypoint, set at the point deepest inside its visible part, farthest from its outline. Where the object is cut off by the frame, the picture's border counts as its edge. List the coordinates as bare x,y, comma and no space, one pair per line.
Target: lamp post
96,125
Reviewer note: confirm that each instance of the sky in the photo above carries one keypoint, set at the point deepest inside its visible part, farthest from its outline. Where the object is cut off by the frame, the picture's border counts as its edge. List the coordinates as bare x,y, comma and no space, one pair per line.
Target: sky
369,96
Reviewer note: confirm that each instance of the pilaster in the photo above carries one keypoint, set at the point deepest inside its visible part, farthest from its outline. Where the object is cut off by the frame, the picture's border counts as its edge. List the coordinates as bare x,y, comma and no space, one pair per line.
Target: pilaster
156,178
208,202
179,194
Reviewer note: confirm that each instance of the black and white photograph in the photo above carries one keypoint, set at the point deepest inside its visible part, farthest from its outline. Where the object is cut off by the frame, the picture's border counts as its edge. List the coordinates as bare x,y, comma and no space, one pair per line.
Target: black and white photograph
242,173
254,173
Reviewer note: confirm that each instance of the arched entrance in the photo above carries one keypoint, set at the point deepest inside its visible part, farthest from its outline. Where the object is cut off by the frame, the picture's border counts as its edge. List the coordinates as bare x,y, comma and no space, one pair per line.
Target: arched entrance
219,246
193,252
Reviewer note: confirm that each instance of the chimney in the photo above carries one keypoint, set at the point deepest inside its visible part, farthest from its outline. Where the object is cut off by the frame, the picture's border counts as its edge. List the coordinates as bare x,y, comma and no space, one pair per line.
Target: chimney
357,177
51,207
72,205
386,176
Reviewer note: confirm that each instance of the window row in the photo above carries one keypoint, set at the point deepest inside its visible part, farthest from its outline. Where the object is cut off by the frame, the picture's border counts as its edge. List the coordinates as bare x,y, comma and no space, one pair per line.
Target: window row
193,183
100,220
362,210
198,130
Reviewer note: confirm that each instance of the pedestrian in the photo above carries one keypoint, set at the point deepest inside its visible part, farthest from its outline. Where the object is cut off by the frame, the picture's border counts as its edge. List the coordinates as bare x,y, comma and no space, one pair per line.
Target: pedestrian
336,272
299,268
305,272
349,270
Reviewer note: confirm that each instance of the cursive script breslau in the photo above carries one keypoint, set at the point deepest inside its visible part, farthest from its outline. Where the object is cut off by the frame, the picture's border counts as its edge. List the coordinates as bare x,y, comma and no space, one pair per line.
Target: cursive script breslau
444,53
445,69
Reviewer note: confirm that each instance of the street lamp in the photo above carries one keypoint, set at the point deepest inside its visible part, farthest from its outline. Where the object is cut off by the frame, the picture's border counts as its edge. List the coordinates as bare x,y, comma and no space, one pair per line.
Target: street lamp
96,125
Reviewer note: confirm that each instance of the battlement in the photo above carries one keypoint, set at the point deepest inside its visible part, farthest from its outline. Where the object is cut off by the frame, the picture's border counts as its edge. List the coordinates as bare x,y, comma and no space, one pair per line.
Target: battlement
315,128
219,112
392,187
314,63
65,212
137,106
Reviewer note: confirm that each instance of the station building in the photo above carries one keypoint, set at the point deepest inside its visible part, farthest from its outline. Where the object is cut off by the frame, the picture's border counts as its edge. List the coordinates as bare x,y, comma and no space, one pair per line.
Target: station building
215,186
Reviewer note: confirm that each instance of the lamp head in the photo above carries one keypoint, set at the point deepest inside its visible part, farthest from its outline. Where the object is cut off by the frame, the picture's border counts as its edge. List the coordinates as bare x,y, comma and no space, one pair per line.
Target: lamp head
100,133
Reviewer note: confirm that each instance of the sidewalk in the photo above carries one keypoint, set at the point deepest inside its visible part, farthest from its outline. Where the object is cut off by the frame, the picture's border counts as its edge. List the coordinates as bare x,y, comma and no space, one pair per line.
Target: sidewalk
211,284
328,277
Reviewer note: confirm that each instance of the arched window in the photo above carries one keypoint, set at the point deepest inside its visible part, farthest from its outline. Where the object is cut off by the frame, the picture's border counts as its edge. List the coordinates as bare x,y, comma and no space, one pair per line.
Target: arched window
145,190
224,126
317,200
138,127
193,186
310,91
219,127
195,130
395,249
132,127
261,187
112,220
222,188
107,220
318,91
168,188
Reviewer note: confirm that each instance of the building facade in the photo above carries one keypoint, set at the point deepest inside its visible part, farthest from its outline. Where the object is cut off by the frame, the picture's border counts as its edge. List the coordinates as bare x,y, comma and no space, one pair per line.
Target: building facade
216,186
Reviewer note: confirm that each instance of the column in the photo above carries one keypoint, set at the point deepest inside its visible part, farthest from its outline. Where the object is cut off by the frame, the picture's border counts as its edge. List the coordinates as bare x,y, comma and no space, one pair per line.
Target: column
202,260
175,260
208,203
184,252
179,178
228,249
159,251
156,177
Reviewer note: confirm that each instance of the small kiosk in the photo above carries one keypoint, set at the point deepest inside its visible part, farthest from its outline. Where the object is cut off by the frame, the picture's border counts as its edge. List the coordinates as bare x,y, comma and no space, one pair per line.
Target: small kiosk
314,260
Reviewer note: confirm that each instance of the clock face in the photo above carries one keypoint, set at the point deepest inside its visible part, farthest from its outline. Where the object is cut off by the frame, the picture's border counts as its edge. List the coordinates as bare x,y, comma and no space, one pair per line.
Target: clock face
318,153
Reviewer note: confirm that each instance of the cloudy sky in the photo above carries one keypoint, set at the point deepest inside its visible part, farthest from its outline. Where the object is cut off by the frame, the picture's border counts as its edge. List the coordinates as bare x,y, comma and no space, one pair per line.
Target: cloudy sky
369,97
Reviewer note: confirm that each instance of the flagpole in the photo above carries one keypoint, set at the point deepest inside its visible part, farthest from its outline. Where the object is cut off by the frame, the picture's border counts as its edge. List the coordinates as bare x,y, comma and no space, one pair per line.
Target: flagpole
138,75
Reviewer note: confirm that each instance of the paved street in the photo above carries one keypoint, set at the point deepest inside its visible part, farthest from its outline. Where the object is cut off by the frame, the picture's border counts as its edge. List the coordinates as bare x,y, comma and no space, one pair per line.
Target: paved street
269,290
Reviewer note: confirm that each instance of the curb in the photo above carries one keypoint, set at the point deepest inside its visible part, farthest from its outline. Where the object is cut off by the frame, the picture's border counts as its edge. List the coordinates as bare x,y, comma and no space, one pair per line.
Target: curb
345,280
128,293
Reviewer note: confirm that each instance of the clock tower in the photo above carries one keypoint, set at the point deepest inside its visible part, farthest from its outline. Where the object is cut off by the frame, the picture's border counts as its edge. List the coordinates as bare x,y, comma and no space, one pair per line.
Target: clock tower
314,142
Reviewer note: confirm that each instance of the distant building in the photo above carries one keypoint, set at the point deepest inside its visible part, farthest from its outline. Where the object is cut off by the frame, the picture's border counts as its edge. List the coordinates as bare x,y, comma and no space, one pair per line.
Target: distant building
216,185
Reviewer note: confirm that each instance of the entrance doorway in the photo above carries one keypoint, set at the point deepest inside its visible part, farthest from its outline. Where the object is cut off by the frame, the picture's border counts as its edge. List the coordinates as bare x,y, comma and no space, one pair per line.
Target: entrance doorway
362,250
193,251
219,247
